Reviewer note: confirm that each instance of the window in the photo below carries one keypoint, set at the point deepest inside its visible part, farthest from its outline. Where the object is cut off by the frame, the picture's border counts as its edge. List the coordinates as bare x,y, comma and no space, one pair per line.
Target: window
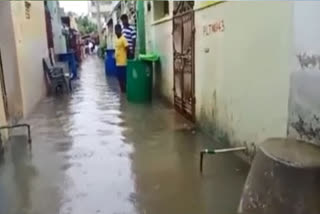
161,9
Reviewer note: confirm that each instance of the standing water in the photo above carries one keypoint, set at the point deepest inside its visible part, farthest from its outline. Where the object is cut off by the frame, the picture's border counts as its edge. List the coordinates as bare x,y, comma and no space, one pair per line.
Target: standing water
95,153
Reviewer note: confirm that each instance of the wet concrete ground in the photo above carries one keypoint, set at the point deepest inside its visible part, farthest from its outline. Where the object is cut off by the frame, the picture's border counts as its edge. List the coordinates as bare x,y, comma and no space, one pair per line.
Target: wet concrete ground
95,153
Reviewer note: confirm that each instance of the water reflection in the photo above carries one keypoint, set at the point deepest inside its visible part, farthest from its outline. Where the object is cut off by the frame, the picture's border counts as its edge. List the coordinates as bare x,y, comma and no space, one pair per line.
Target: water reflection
23,171
93,152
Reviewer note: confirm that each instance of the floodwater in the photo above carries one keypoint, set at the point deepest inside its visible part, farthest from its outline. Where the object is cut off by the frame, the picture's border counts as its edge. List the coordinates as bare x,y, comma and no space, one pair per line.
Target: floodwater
93,152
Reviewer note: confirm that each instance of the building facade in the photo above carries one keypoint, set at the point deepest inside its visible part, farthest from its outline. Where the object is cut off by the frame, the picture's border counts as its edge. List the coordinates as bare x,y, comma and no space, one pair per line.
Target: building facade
23,44
105,10
239,73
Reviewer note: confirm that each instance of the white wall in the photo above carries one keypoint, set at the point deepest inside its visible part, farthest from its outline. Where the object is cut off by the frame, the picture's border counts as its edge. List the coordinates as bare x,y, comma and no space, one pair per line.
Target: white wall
304,105
159,40
163,46
31,44
9,62
242,74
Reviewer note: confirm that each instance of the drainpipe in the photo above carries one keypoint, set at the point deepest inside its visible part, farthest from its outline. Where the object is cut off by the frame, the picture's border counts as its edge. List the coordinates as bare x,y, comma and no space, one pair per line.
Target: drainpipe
141,27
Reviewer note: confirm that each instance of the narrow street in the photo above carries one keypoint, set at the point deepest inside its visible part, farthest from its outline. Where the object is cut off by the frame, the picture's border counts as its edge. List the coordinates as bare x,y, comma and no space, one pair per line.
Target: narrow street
93,152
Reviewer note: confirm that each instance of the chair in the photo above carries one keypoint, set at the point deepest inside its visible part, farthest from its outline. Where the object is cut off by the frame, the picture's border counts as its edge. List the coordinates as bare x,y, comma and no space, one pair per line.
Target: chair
56,76
66,71
54,59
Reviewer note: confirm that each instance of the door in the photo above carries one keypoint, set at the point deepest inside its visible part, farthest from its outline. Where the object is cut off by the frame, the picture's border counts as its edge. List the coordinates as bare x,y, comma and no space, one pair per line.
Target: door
183,58
48,26
3,89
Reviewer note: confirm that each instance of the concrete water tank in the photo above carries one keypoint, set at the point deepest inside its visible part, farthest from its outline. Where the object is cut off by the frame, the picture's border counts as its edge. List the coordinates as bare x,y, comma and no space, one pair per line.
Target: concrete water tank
284,179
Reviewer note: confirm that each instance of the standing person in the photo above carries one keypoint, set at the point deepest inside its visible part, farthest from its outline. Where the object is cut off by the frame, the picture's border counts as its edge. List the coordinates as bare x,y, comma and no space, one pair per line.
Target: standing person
86,47
129,33
90,47
122,47
93,46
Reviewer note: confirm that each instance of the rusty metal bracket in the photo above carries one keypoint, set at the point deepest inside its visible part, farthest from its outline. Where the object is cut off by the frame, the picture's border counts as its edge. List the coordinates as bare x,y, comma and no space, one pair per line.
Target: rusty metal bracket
20,125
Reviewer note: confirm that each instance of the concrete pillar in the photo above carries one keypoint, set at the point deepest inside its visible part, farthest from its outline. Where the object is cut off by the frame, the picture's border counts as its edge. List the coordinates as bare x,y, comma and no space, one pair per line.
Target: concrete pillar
284,178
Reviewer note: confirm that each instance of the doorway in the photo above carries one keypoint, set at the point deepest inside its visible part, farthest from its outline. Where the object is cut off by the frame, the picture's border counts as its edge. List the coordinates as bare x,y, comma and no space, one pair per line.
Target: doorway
183,58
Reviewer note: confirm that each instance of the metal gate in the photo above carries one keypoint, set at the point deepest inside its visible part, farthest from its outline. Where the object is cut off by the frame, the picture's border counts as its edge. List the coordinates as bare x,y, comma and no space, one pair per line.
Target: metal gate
183,58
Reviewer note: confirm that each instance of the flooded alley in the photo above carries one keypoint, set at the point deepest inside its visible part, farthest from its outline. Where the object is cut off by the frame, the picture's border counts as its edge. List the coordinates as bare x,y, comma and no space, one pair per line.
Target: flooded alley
93,152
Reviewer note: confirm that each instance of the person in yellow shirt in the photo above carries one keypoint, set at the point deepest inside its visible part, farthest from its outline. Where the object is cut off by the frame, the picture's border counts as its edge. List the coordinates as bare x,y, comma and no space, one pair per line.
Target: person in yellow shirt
122,47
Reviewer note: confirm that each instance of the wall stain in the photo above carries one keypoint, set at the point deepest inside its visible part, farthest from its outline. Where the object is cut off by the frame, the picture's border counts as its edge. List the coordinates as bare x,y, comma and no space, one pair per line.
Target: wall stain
214,131
208,123
309,61
306,130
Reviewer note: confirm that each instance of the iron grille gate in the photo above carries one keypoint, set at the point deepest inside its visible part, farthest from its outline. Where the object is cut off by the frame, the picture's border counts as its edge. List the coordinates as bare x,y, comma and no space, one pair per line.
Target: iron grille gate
183,59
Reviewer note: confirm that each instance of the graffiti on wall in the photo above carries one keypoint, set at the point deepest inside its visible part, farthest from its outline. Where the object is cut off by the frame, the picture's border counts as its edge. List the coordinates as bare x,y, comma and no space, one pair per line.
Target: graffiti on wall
215,27
309,61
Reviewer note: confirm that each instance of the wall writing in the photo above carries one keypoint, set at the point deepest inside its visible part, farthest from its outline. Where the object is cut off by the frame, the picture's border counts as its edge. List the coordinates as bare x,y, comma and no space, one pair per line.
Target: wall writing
215,27
27,9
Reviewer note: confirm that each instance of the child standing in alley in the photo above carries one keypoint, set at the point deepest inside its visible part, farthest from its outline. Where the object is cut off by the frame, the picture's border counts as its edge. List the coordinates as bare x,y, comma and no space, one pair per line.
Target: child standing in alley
121,57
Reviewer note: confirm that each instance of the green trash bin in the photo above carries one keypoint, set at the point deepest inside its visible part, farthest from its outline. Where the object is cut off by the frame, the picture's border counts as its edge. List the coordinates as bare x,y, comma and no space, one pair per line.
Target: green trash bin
139,81
151,57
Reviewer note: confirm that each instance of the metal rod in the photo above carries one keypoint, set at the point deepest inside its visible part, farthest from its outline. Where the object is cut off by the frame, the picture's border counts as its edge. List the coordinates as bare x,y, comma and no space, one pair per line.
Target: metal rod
230,149
20,125
218,151
206,151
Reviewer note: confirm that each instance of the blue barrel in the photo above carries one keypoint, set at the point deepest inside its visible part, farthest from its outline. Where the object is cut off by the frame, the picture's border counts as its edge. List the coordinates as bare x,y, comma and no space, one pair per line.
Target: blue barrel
110,62
71,59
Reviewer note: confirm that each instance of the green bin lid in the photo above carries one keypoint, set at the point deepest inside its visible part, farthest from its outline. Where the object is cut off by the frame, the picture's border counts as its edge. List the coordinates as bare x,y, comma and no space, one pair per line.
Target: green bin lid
152,57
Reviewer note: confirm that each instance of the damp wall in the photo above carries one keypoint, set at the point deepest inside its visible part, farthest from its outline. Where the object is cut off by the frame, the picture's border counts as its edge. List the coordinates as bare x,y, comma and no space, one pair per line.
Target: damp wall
242,71
304,101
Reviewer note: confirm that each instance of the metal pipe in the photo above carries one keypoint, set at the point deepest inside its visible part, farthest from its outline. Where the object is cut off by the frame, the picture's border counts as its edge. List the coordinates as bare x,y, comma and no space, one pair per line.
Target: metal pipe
206,151
235,149
218,151
20,125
